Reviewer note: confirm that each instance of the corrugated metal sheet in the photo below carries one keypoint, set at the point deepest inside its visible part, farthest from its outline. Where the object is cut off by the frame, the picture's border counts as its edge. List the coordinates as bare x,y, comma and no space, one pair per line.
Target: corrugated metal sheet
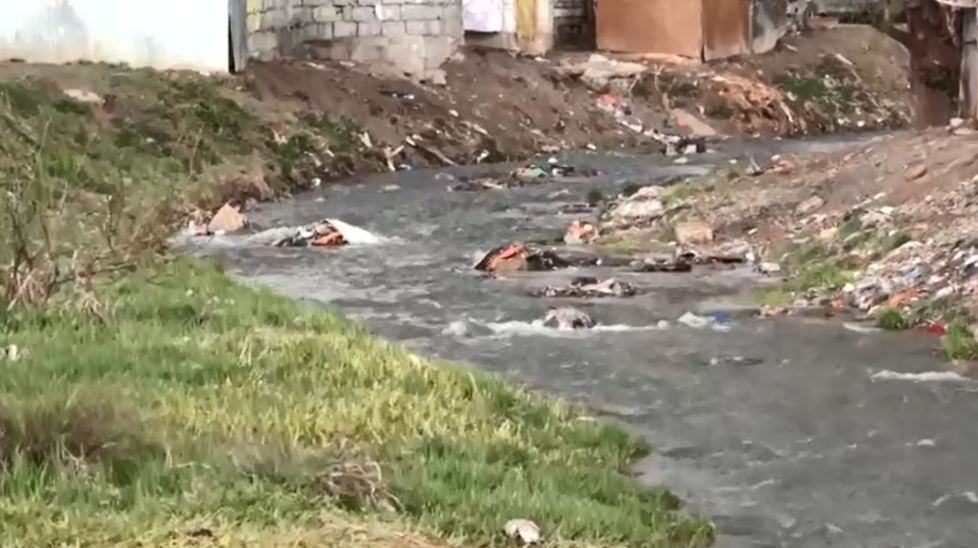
726,28
186,34
647,26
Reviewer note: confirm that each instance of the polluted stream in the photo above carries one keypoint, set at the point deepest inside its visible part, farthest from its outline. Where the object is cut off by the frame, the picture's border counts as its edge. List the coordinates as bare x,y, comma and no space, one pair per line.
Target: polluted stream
788,432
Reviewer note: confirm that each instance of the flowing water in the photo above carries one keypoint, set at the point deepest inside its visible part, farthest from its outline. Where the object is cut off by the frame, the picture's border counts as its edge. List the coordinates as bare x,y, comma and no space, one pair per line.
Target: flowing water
788,432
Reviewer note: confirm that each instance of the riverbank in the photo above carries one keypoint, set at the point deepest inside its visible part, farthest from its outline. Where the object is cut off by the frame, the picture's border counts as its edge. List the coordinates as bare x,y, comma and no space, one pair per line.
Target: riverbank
879,232
148,399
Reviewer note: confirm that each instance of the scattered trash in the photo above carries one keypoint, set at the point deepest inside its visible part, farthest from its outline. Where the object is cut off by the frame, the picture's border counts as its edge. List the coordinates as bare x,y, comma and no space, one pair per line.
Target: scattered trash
699,322
589,288
85,96
527,175
327,233
519,256
662,264
530,174
674,145
11,353
568,318
579,233
523,531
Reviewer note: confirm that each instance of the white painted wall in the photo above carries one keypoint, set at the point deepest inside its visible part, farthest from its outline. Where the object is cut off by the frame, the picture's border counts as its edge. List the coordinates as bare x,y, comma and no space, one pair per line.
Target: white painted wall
166,34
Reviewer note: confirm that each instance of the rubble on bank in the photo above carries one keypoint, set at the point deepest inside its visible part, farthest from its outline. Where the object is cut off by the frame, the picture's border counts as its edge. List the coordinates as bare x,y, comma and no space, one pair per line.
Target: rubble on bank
887,230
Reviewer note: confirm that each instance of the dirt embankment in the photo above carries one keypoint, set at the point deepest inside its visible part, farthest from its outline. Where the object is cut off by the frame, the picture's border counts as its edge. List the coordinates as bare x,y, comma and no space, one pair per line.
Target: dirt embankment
885,231
289,126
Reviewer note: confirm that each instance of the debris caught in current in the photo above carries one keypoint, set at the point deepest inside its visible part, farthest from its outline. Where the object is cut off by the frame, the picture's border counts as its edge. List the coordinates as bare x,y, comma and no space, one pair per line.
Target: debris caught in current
568,318
327,233
586,287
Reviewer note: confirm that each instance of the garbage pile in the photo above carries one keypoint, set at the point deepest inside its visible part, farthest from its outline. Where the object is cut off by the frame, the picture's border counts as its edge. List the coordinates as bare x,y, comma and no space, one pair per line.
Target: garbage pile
588,287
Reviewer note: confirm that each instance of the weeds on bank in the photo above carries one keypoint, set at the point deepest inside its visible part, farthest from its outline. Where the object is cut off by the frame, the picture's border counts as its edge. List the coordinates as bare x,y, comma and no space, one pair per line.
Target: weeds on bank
959,343
171,406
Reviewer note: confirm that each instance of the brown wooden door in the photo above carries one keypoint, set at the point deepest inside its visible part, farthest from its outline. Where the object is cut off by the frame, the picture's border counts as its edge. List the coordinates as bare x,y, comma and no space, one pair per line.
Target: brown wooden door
726,28
650,26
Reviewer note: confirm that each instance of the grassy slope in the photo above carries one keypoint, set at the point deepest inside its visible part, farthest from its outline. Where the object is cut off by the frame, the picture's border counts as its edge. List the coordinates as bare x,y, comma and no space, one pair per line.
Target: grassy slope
169,406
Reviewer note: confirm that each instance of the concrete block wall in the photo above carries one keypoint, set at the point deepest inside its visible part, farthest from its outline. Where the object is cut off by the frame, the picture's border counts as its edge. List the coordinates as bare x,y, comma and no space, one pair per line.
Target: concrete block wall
416,36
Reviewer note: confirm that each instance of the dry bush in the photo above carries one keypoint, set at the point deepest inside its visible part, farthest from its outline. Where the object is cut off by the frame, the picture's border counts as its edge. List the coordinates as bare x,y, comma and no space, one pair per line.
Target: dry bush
59,233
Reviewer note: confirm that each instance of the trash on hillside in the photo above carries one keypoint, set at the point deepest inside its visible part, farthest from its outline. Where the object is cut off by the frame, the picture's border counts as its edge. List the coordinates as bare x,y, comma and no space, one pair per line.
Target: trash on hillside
586,287
523,531
520,256
579,233
568,318
327,233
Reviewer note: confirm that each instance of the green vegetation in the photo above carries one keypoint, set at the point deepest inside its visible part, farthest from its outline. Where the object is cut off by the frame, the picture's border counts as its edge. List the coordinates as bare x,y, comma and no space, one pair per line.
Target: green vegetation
892,319
813,266
958,343
200,403
630,188
148,400
830,84
594,197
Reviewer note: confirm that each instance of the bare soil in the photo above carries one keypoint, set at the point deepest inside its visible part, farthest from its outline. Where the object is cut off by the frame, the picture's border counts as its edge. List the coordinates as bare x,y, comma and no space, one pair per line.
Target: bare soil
291,125
845,78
